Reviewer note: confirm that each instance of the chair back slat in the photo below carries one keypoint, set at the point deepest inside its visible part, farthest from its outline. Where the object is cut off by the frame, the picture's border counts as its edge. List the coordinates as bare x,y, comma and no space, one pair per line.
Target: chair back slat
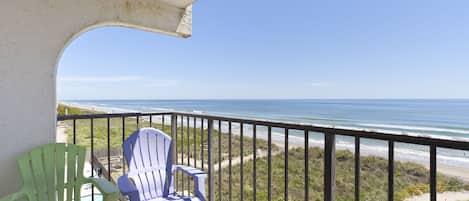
45,168
146,152
60,170
49,164
154,160
37,163
80,166
144,141
167,162
141,159
71,165
27,173
136,163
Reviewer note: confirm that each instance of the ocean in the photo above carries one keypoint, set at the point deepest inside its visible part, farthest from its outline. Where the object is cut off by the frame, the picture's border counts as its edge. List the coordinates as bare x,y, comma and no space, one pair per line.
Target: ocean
447,119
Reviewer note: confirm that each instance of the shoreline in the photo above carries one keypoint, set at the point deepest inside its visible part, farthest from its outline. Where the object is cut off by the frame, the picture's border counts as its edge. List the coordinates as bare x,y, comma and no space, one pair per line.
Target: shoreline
297,142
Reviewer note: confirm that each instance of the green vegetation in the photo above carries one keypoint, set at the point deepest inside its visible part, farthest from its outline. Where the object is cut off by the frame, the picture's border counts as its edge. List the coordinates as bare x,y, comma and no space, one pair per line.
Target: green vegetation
68,110
410,178
83,135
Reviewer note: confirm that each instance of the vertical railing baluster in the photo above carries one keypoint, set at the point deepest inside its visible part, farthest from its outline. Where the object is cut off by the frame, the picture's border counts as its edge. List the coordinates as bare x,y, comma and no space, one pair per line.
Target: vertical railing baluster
329,167
306,136
269,163
174,142
210,160
219,160
123,139
182,152
138,121
391,170
241,128
74,131
357,168
92,157
195,142
229,161
202,142
151,120
188,154
285,195
433,176
108,149
162,123
254,161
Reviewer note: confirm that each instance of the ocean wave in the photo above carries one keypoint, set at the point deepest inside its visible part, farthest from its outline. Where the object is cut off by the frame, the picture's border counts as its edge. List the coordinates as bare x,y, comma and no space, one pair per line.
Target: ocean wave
417,128
161,109
324,119
99,108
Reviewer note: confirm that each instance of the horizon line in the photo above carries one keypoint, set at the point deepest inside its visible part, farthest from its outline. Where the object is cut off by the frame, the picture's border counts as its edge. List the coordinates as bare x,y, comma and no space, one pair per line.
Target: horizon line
129,99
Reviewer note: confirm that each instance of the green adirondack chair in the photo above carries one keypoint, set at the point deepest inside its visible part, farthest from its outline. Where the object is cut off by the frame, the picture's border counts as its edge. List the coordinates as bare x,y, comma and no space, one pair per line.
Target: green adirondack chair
51,169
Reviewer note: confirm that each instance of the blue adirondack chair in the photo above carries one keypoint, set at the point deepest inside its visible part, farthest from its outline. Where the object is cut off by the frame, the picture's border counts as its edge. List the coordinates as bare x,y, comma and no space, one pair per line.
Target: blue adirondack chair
151,171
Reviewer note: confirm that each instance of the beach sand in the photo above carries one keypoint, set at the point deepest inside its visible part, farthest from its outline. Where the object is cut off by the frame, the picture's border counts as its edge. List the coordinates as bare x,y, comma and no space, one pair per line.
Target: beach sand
446,196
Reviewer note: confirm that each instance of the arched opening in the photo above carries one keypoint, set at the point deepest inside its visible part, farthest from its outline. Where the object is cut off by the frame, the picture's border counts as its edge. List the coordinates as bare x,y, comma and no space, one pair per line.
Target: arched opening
96,66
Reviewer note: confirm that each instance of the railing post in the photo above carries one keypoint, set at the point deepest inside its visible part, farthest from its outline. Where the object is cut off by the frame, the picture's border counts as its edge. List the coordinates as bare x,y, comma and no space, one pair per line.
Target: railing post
74,131
433,173
285,195
329,167
92,154
210,161
391,171
108,149
306,136
357,168
123,140
173,136
269,164
174,149
241,135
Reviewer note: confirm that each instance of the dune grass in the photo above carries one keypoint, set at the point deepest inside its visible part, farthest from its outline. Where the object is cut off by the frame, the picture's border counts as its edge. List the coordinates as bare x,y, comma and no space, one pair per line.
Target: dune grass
410,179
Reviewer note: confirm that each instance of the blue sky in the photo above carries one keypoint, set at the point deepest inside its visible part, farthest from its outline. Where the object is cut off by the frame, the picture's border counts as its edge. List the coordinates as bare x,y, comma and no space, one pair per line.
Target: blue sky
280,49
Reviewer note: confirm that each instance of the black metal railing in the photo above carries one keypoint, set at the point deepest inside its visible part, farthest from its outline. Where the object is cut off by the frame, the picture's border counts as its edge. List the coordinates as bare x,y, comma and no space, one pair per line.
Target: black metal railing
199,144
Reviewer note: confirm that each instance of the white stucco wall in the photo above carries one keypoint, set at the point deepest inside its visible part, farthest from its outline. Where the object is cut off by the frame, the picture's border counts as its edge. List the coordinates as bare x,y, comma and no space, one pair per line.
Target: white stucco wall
33,33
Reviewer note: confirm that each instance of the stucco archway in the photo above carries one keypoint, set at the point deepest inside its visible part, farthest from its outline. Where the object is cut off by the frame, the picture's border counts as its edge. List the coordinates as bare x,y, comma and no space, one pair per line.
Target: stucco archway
34,35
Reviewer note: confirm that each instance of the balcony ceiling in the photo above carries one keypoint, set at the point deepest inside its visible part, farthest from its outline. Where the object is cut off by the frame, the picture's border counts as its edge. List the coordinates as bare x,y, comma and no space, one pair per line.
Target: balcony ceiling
177,3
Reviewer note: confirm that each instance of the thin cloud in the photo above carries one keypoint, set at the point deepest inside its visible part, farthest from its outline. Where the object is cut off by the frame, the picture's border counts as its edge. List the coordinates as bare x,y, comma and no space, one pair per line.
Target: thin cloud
94,79
319,84
142,81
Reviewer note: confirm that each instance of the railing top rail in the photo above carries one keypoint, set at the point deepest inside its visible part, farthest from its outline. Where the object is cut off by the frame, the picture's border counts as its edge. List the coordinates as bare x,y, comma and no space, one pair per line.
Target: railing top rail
413,138
110,115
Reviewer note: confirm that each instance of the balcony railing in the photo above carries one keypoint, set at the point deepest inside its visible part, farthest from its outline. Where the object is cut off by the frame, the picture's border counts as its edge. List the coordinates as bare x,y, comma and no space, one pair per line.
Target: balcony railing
199,144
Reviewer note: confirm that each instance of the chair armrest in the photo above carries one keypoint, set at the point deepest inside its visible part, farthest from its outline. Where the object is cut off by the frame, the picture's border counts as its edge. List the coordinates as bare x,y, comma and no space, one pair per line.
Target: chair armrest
107,188
199,179
15,196
193,172
127,188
